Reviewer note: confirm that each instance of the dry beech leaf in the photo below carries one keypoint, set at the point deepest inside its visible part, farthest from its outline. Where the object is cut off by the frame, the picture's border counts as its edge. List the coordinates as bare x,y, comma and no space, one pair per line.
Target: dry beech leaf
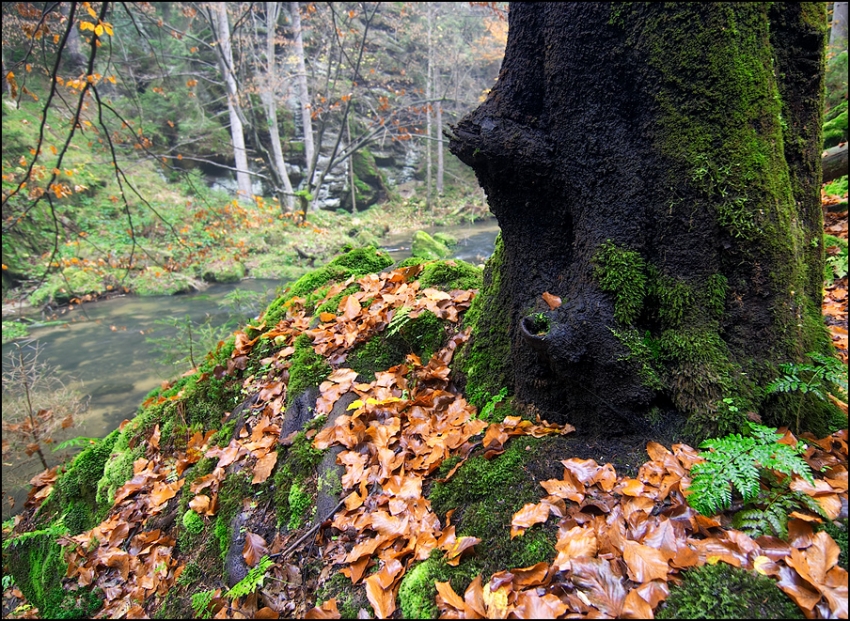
644,563
264,467
254,548
528,516
449,596
328,610
382,600
552,300
530,605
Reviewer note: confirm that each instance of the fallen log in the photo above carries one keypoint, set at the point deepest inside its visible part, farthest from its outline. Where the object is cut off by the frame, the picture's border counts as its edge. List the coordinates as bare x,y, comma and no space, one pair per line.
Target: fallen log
834,163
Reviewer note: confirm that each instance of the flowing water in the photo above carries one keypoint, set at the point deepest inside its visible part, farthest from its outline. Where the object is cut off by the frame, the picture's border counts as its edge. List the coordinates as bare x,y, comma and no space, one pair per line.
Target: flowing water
101,348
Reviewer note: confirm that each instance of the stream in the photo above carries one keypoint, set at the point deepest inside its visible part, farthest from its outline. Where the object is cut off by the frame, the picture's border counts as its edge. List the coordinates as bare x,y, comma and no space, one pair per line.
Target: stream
102,350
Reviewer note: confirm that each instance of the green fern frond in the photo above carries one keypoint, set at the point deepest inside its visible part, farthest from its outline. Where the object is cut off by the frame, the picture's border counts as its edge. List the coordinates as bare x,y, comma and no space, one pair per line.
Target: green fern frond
252,581
744,464
201,602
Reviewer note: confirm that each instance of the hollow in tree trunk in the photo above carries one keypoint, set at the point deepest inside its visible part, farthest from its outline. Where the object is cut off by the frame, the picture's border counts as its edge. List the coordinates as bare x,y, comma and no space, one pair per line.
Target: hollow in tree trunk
656,167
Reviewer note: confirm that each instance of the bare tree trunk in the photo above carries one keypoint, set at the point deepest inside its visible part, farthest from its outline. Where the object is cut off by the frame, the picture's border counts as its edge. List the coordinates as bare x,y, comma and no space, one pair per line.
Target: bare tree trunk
351,169
838,32
303,92
428,95
218,17
439,110
269,97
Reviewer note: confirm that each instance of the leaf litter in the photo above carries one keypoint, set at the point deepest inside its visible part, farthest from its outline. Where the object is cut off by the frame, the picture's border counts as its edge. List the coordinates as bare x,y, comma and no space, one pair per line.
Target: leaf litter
621,541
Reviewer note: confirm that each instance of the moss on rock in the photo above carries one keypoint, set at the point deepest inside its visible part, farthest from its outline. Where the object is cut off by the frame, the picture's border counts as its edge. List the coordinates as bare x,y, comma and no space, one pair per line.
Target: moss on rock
357,262
426,247
449,275
724,592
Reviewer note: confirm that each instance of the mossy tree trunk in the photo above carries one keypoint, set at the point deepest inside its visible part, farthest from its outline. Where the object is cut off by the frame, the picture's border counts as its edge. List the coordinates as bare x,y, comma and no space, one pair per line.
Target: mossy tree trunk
657,167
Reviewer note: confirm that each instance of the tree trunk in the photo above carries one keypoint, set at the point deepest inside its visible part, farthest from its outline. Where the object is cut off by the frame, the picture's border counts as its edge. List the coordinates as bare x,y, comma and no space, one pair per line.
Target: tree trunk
657,167
303,92
428,93
438,105
268,93
838,31
218,17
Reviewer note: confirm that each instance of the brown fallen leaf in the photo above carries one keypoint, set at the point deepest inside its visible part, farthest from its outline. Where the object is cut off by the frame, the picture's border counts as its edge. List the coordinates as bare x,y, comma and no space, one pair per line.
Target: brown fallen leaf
552,300
254,549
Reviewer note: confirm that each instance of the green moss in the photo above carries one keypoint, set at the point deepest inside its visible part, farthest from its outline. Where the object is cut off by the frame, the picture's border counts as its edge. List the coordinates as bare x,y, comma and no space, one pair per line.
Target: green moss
446,240
486,360
308,369
332,305
37,564
621,272
192,574
449,275
193,522
644,351
417,592
299,502
235,487
116,471
422,336
76,490
349,598
724,592
357,262
483,514
426,247
223,435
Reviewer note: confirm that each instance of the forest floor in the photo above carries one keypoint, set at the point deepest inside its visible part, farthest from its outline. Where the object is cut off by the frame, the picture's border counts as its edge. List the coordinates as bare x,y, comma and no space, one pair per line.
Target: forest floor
623,532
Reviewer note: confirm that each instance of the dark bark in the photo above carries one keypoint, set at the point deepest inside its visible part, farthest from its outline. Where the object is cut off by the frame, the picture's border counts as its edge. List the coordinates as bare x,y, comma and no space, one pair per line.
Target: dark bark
649,164
835,163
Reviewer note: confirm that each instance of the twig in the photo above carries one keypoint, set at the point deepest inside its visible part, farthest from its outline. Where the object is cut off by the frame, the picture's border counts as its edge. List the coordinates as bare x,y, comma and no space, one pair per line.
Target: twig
312,530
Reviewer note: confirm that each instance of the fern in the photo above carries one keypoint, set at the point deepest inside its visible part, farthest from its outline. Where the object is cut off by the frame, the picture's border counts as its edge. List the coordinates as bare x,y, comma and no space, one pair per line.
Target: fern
769,515
400,320
824,375
78,442
201,602
252,581
738,463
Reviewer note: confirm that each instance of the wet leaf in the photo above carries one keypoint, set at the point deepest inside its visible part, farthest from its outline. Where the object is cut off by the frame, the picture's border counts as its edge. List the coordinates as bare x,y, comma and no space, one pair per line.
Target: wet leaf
254,549
264,467
382,600
644,563
553,301
528,516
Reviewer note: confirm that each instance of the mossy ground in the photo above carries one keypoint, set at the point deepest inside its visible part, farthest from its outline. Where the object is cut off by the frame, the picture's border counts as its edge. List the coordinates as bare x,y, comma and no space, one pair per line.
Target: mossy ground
724,592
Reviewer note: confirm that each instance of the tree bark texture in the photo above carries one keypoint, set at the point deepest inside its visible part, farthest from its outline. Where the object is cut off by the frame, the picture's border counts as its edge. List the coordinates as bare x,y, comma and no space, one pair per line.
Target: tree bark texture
657,167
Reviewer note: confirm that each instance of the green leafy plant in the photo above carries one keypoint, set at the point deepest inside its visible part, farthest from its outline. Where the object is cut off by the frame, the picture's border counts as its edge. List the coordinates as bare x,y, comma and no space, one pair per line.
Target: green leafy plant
836,264
739,463
824,375
252,581
187,340
769,514
201,602
490,406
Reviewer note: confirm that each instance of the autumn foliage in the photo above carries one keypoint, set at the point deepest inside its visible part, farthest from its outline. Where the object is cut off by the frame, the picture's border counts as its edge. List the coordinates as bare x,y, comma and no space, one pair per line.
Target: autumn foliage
622,542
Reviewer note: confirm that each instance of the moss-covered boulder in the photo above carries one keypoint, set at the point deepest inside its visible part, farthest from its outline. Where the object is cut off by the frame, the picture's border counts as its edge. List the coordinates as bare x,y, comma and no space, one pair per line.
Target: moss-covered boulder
426,247
724,592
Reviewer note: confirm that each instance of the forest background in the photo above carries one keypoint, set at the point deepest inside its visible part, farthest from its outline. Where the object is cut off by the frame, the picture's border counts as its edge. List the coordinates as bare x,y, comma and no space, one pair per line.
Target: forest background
162,253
